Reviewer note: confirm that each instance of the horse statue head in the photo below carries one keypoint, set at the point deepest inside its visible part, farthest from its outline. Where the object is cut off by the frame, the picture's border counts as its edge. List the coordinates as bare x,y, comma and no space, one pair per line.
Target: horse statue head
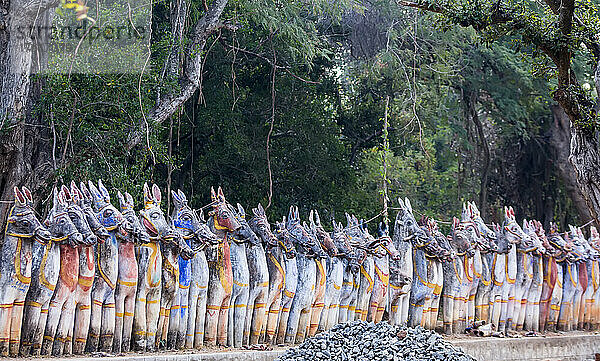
578,252
514,233
262,228
502,243
594,239
460,240
224,220
560,247
77,215
284,240
487,238
529,229
22,221
138,232
321,235
385,242
303,241
345,250
190,225
406,225
153,218
59,223
83,198
446,253
107,214
244,233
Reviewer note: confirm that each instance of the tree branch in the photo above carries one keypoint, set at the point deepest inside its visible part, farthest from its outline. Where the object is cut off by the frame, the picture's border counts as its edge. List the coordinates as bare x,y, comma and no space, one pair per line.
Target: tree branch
189,81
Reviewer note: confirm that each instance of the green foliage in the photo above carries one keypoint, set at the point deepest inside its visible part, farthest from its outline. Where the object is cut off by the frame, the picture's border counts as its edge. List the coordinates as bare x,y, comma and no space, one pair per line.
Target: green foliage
326,145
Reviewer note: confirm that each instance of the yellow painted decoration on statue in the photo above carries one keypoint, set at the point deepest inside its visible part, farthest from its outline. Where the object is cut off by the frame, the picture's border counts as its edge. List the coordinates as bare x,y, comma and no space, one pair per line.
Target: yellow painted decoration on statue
279,268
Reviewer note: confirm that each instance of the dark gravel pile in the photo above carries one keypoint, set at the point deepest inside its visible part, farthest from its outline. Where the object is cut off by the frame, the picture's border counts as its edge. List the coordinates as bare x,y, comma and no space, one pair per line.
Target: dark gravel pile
364,341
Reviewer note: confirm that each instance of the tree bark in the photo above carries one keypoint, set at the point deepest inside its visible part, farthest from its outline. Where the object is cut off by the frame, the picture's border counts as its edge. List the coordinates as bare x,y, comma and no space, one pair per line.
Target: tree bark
189,80
560,139
485,168
19,151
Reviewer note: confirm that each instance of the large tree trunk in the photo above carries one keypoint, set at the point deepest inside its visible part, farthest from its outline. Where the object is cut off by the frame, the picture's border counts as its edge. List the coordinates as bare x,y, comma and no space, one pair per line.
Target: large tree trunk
586,160
560,140
18,146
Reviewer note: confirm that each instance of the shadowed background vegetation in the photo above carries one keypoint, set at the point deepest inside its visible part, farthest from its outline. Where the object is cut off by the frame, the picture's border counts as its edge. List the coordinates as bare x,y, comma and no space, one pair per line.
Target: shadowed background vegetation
468,119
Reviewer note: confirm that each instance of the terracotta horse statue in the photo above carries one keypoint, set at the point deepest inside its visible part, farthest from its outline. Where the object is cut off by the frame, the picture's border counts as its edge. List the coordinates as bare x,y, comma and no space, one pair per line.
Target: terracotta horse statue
71,298
562,257
406,229
488,251
189,308
344,262
587,299
534,294
435,273
308,249
172,248
425,276
473,267
102,322
150,263
87,267
258,264
382,252
454,276
329,249
128,274
278,247
586,276
367,270
548,272
290,285
240,292
515,315
351,283
513,234
498,293
22,228
571,287
45,271
593,321
222,223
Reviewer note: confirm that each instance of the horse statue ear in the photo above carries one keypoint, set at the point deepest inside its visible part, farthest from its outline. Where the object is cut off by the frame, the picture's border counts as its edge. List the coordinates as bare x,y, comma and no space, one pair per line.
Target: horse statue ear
213,195
156,193
177,202
221,195
201,216
27,194
129,199
317,218
122,201
19,197
291,214
65,191
408,205
401,203
182,196
261,210
148,199
103,191
455,223
241,211
348,220
311,217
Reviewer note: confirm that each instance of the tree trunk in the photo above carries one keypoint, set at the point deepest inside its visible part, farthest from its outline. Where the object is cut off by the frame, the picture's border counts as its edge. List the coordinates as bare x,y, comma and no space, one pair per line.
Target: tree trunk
485,168
560,139
19,148
586,161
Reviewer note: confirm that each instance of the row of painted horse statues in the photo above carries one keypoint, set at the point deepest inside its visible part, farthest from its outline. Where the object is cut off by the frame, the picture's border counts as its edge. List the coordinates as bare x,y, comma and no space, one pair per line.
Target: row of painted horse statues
93,277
